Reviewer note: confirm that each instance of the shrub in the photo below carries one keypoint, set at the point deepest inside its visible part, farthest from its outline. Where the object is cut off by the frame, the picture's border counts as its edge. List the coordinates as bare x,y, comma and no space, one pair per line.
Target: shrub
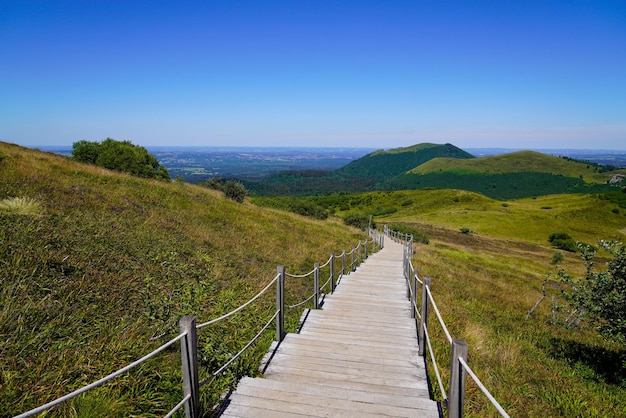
563,241
120,156
407,202
465,230
601,296
234,190
360,220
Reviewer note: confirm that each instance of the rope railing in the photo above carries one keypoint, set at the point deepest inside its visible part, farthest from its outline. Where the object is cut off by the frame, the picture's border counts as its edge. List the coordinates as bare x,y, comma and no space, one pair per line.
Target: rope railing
234,311
454,400
483,389
189,342
100,382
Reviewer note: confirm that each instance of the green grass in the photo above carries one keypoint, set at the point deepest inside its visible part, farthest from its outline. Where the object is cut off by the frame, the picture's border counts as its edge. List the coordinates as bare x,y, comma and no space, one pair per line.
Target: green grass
514,162
102,273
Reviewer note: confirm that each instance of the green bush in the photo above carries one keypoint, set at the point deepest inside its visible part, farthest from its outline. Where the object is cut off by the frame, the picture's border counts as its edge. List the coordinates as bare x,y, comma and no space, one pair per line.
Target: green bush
234,190
601,296
563,241
360,220
120,156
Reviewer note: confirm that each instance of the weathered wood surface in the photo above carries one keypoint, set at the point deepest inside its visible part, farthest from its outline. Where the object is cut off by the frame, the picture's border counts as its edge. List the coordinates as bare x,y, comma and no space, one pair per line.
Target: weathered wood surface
355,357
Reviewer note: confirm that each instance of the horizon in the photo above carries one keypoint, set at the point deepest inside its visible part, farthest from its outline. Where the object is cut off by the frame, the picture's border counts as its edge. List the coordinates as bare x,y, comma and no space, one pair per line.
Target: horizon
355,74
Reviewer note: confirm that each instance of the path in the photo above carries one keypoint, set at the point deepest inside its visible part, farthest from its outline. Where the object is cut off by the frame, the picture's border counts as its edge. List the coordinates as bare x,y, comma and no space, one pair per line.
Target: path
355,357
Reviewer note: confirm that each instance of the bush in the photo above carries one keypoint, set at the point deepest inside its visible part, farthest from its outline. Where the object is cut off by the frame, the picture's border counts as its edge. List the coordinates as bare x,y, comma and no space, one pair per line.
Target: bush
465,230
563,241
601,296
120,156
360,220
234,190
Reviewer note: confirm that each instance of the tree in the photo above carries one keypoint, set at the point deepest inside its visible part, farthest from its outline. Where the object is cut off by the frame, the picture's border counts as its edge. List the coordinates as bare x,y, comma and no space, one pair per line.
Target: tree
601,296
120,156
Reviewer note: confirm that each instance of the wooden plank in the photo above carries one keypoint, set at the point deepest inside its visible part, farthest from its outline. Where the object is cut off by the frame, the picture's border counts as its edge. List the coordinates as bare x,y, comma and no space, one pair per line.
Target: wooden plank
355,357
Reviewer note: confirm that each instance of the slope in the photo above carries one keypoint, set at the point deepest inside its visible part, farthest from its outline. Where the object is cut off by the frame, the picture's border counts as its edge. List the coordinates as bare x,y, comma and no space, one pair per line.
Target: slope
385,164
509,176
96,267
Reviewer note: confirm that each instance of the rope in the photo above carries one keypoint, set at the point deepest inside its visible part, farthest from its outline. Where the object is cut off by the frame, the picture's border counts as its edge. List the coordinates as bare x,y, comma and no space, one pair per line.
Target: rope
234,311
432,357
299,276
443,325
236,356
177,407
101,381
302,303
483,388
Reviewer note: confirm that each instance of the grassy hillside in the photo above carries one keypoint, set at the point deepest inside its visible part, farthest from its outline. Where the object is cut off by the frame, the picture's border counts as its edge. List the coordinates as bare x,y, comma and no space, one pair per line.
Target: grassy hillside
385,164
515,162
487,278
97,267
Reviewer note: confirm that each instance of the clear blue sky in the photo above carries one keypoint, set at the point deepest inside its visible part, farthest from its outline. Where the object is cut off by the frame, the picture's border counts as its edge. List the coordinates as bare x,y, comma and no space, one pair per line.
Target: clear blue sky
377,74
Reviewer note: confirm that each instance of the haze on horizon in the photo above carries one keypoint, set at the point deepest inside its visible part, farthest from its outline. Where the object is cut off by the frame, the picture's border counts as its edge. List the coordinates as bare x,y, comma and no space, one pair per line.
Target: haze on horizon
367,74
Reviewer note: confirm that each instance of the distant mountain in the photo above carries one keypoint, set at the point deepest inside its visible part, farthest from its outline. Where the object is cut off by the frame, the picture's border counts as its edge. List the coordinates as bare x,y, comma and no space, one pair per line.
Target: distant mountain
385,164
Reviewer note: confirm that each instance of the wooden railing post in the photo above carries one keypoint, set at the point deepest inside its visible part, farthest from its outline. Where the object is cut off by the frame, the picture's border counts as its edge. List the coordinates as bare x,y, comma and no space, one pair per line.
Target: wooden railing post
424,316
456,396
352,266
414,301
332,272
189,359
365,255
316,284
358,253
280,304
343,262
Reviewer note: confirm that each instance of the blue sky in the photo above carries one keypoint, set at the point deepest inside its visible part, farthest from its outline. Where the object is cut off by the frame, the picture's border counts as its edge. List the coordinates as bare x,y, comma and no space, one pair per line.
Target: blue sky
376,74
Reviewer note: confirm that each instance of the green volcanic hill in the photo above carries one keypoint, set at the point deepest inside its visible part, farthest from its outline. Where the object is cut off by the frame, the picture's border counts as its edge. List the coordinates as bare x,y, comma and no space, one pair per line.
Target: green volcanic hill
359,175
513,175
96,268
385,164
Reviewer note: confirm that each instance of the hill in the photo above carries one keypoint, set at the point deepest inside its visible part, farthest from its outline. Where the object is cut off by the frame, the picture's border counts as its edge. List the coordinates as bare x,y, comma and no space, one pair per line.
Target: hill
96,268
359,175
509,176
385,164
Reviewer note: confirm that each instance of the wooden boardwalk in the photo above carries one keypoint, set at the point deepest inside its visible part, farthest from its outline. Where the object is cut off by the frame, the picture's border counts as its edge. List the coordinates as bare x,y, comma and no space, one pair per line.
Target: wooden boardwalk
355,357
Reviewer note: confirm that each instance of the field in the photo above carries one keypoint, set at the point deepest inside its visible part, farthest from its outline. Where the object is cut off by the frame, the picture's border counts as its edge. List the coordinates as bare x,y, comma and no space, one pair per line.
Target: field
97,267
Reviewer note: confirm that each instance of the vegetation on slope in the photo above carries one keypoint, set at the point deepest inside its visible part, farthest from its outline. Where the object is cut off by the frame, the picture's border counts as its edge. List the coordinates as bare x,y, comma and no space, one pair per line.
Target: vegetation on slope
385,164
515,162
97,267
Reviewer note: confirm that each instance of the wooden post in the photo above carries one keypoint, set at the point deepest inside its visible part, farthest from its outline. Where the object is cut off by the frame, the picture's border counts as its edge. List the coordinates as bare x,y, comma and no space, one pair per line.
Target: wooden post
343,262
352,267
280,304
316,284
414,301
189,359
332,272
456,396
365,256
424,318
358,259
